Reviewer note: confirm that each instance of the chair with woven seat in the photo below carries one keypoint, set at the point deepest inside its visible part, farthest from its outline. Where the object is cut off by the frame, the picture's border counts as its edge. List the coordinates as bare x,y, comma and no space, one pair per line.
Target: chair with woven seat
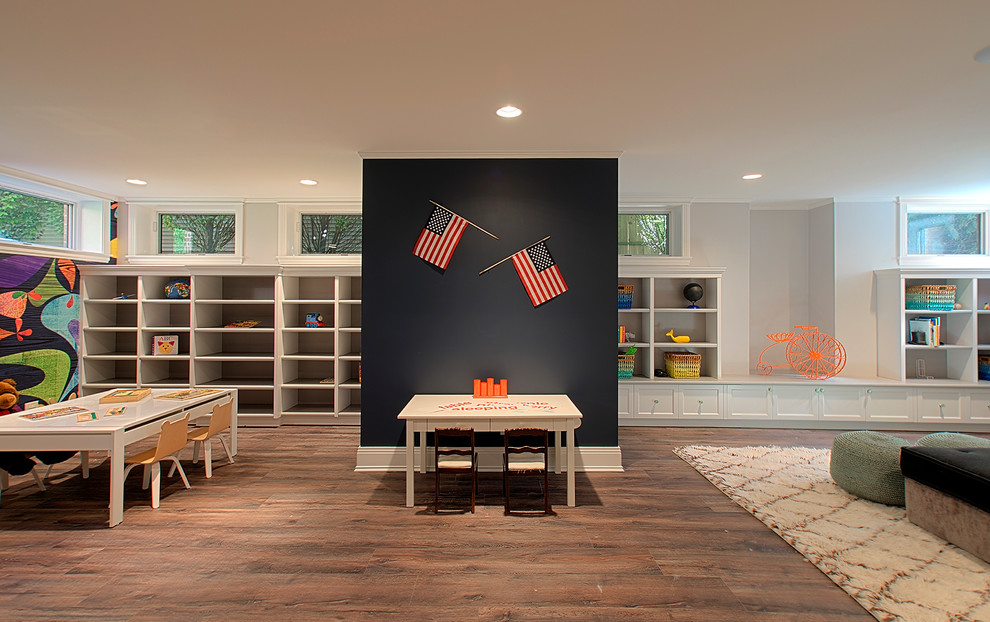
170,442
526,453
454,452
202,437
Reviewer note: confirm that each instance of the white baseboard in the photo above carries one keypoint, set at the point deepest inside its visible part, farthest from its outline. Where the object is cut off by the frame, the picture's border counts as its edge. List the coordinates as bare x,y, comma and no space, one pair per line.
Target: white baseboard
587,459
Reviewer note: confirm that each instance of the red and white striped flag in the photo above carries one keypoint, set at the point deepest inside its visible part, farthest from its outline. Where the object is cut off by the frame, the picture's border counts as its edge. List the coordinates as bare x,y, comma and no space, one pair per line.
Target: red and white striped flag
539,274
440,237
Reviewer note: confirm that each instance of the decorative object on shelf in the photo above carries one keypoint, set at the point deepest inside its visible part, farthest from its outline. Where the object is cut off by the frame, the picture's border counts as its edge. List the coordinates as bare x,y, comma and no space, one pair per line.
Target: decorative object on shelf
693,292
124,296
986,306
327,380
315,320
682,364
660,372
440,236
626,296
125,395
679,338
538,272
242,324
984,367
177,288
627,362
488,389
809,352
622,334
929,297
165,345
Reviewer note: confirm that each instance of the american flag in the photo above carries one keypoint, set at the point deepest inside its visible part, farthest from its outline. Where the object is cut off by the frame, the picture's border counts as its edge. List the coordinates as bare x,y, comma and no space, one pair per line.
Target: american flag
539,274
440,237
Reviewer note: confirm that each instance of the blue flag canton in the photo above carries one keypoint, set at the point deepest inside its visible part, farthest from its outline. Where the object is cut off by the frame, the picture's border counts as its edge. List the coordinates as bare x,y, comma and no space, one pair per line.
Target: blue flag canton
540,257
438,221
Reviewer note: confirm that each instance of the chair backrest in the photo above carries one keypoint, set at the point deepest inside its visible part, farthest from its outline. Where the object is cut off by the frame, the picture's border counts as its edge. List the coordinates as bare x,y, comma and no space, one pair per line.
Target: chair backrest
527,440
221,417
173,437
453,441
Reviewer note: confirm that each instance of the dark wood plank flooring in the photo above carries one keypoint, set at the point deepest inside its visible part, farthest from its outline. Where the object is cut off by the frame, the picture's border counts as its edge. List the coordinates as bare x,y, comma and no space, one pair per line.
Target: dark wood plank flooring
291,531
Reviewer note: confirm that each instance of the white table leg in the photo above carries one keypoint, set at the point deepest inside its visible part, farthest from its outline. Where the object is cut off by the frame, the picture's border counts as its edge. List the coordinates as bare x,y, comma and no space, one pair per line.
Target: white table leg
84,463
557,453
233,426
117,479
410,453
422,451
570,468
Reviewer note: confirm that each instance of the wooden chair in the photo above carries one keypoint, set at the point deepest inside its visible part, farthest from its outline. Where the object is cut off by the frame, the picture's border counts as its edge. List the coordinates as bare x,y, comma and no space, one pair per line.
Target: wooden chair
170,442
526,453
201,437
454,452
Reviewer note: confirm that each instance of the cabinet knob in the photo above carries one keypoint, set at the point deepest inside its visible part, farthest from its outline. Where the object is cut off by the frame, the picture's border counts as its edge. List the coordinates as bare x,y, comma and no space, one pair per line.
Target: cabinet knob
656,401
770,389
701,401
941,405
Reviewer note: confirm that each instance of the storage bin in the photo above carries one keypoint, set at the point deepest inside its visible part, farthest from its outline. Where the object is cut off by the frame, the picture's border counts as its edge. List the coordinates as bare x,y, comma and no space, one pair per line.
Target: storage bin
626,296
683,364
930,297
626,364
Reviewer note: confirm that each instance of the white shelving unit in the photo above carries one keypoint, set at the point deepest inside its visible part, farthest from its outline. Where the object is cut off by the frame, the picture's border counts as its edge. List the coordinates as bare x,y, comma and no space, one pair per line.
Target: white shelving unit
965,330
284,371
659,306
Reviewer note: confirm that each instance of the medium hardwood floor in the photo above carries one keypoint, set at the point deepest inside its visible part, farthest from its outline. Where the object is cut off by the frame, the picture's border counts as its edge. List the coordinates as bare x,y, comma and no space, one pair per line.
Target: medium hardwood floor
292,532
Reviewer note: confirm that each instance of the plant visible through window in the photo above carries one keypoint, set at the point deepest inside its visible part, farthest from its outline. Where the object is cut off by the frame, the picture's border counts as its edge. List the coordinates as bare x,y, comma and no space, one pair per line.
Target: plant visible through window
27,218
643,234
197,233
330,234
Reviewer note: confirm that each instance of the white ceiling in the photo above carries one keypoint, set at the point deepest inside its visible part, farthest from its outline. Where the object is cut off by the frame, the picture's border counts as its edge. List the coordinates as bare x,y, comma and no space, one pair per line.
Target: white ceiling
851,99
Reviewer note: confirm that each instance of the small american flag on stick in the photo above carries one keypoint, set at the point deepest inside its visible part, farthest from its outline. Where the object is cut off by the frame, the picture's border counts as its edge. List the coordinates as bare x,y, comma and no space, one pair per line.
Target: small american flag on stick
440,237
539,273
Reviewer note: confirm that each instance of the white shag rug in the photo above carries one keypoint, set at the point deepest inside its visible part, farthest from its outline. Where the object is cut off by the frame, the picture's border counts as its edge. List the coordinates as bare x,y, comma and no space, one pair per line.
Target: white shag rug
893,568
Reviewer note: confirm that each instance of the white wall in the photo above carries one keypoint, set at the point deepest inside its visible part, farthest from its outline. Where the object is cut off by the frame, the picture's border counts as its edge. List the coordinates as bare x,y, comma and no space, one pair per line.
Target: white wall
720,237
260,233
821,268
865,240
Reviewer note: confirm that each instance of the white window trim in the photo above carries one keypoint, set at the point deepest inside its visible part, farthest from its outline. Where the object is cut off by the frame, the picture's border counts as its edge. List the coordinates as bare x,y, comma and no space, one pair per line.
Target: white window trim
143,219
89,219
290,225
678,231
906,205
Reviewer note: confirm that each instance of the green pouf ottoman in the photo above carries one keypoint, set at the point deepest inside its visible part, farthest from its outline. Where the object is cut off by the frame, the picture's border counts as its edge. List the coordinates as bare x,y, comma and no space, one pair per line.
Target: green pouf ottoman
868,464
952,440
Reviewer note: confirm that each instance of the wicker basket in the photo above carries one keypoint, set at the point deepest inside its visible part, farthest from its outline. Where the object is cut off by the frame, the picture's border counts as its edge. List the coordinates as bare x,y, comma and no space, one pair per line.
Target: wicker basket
626,364
683,364
626,296
930,297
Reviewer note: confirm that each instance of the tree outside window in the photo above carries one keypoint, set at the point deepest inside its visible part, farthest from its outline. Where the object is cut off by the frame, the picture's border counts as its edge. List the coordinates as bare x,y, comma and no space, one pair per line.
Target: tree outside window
197,234
643,234
330,234
27,218
953,233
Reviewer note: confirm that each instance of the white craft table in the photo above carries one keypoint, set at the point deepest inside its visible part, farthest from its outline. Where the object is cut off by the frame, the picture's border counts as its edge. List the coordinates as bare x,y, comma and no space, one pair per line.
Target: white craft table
425,413
112,434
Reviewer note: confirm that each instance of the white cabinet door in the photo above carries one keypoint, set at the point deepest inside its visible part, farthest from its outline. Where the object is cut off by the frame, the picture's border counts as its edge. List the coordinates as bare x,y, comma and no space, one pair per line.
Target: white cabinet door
979,407
940,405
655,402
888,404
625,399
748,401
700,402
795,402
841,403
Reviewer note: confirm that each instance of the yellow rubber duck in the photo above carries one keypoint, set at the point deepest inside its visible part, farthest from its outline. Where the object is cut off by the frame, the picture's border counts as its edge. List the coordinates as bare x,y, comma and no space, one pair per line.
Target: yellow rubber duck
680,339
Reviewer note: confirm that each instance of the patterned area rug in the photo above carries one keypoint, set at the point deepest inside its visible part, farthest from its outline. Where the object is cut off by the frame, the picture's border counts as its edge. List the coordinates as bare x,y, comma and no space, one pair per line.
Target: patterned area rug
893,568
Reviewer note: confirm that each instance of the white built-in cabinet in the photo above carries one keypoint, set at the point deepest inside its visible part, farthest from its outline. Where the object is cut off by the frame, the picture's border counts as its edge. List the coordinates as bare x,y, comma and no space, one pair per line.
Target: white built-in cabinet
659,307
284,371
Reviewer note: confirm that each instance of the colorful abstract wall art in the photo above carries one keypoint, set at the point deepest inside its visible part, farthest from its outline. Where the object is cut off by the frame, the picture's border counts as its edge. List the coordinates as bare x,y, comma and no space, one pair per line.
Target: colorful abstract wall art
39,327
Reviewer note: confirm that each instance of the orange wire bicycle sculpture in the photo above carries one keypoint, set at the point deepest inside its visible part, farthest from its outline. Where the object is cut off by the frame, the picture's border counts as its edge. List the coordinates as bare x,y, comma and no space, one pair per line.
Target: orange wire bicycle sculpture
815,355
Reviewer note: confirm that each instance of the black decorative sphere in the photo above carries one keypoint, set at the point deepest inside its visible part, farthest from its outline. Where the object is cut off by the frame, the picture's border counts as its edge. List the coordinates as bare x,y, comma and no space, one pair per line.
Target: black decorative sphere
693,292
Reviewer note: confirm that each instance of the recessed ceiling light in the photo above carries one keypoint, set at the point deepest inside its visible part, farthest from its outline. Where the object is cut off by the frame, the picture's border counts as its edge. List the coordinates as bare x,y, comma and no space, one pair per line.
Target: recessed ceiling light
137,182
308,182
753,176
983,56
508,112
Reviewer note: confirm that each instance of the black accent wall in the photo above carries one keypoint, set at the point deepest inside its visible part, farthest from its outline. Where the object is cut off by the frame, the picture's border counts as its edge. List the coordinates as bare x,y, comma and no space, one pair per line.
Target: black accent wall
425,330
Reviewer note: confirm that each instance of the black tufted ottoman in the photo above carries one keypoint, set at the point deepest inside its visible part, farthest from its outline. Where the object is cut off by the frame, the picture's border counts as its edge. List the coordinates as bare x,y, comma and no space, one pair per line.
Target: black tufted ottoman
948,493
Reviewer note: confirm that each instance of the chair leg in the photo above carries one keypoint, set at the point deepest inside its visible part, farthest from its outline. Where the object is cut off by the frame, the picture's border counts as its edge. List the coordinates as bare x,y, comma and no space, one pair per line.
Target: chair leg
156,484
226,450
177,467
4,480
37,479
546,491
84,463
196,451
208,457
146,476
436,497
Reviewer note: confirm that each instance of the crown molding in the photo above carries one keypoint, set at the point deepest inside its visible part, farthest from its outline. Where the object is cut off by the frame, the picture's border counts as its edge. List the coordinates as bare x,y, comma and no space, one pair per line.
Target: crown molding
438,155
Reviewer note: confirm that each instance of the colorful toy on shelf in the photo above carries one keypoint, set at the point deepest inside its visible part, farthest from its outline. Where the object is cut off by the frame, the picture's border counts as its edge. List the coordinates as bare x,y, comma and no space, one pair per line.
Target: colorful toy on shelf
177,288
315,320
693,293
679,338
815,355
489,389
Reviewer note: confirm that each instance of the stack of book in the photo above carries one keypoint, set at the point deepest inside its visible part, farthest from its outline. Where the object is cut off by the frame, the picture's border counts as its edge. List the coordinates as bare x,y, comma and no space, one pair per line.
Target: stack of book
925,331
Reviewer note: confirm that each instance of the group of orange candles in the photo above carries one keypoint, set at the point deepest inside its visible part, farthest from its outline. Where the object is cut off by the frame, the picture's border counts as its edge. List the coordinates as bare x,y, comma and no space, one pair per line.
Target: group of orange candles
488,388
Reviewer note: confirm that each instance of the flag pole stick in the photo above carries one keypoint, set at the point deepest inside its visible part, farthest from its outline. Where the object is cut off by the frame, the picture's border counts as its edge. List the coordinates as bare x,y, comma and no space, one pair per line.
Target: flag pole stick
465,219
510,256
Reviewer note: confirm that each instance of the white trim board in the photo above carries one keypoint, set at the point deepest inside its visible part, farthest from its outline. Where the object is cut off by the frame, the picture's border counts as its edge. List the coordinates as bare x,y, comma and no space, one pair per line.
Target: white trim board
587,459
